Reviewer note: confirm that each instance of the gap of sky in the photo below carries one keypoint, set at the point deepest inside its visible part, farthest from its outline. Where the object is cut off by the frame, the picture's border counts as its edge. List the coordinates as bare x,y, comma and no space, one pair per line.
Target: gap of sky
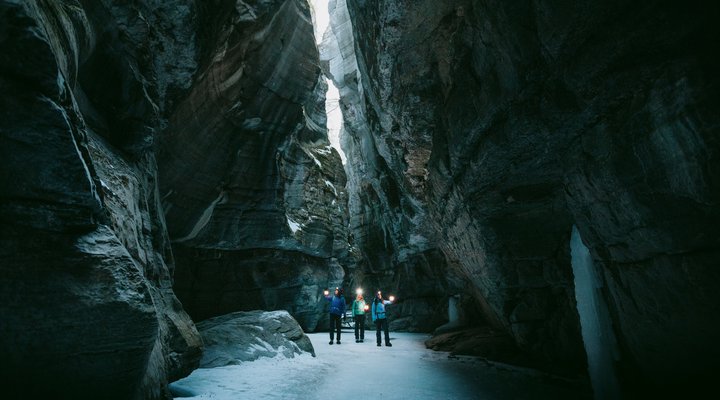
321,21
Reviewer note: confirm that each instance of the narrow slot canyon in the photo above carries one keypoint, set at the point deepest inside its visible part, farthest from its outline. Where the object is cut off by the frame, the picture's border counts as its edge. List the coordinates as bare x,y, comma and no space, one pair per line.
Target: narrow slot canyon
184,183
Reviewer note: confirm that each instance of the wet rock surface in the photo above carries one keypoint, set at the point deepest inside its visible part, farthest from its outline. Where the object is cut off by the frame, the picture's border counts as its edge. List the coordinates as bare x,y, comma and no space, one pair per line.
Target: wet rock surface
246,336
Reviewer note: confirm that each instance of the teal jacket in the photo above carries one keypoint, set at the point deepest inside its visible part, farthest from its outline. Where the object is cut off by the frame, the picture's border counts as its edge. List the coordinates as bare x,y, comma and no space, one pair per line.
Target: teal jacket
358,307
378,309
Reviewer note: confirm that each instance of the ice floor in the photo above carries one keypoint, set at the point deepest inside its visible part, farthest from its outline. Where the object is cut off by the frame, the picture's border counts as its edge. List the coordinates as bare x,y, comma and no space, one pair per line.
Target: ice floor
362,370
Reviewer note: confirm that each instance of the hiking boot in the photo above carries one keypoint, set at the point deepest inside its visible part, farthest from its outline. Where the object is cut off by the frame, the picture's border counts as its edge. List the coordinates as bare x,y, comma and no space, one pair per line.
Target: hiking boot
379,345
388,344
331,342
357,340
338,342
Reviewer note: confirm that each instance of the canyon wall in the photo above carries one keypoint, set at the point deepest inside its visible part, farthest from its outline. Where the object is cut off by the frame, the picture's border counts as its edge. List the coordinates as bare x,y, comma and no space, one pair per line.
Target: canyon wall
228,97
393,245
86,297
253,193
487,129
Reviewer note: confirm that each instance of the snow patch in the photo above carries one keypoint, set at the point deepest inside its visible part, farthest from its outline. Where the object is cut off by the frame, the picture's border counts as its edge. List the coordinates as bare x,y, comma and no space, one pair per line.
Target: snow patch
233,79
251,123
294,226
324,150
418,240
203,220
328,183
319,164
262,346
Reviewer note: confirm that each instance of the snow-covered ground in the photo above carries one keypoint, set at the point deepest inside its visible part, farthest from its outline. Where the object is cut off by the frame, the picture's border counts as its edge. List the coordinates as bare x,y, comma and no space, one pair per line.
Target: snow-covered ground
362,370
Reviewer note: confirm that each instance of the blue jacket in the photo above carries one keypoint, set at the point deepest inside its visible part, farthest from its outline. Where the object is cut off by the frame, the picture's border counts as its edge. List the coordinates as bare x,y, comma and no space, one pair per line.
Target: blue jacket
337,304
378,309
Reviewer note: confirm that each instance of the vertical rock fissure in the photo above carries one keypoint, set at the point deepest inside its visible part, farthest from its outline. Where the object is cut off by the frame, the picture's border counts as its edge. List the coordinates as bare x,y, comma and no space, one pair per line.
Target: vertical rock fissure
321,24
392,246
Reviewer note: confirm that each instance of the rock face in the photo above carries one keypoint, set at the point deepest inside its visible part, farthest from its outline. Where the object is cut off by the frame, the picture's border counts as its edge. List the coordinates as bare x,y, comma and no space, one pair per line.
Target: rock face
86,294
484,130
246,336
228,96
253,193
481,342
392,248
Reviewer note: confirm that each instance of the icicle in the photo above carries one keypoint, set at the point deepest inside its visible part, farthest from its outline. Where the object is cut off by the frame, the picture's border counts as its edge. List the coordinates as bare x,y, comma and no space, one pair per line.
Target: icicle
595,322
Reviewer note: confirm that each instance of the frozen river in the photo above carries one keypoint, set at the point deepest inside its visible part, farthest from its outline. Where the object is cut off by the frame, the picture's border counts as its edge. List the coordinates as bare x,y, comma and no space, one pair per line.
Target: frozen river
362,370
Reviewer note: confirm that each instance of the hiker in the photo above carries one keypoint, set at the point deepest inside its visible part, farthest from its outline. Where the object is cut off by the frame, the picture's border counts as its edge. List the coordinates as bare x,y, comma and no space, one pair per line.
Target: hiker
378,316
337,312
358,310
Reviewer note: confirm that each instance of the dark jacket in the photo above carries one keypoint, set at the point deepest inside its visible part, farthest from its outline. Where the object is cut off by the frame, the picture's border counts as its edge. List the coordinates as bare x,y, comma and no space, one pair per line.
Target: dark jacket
337,304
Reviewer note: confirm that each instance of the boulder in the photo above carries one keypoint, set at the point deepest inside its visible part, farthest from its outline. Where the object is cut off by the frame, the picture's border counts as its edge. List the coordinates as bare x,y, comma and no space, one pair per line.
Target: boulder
246,336
482,342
